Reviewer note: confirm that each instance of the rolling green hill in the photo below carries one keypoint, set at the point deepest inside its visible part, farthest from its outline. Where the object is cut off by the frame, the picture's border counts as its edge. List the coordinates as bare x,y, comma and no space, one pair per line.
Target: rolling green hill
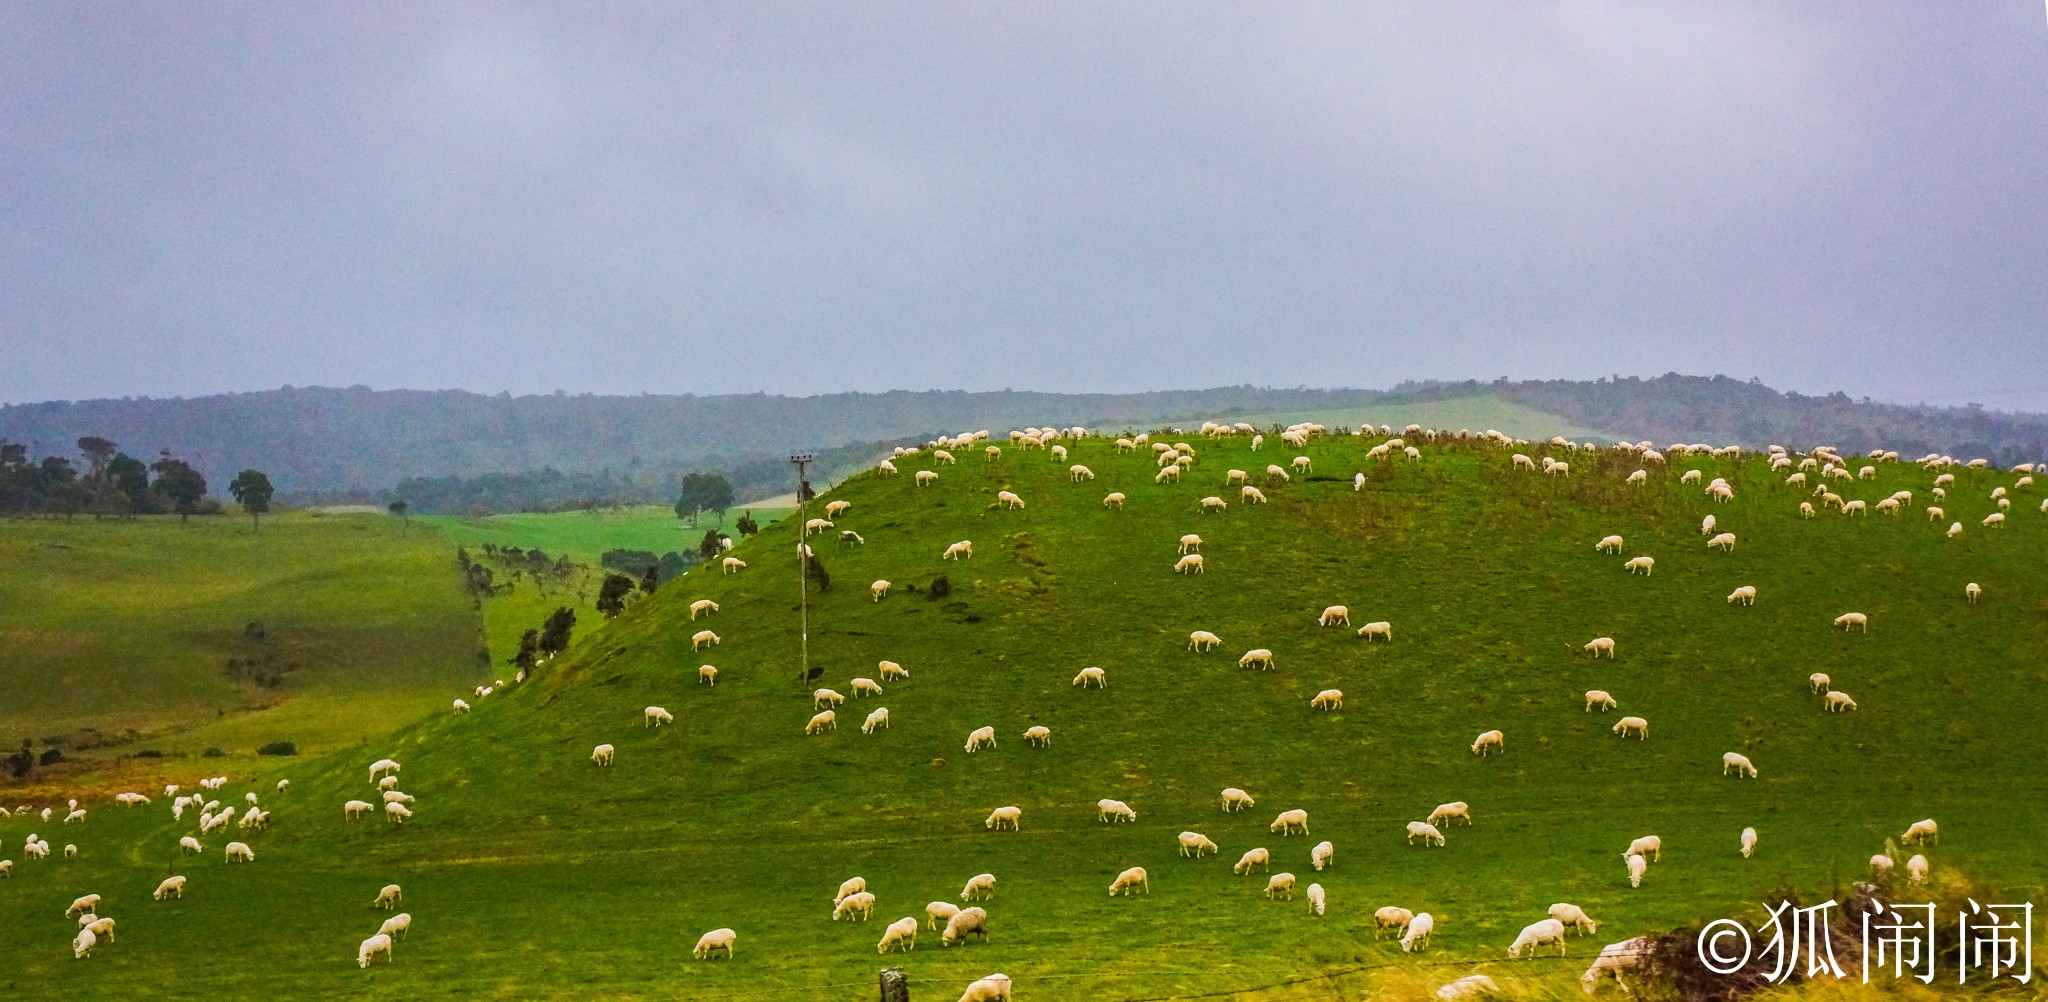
532,873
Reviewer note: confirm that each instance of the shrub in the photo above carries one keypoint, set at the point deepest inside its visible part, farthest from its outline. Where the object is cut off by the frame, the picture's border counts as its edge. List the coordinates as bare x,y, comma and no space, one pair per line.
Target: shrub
278,748
213,753
52,756
146,753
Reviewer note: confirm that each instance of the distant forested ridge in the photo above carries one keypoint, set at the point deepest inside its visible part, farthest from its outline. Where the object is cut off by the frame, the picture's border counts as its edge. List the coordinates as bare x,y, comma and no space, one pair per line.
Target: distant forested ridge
1721,411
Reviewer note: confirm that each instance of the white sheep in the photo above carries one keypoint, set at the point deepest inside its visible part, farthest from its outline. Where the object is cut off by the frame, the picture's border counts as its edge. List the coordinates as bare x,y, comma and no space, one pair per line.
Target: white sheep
732,565
1203,640
1417,937
1130,882
1235,799
859,905
239,852
1113,811
979,738
1252,858
1574,917
1091,678
1636,869
1738,764
1972,591
1646,565
1633,726
461,707
1446,812
937,912
1599,698
901,934
1853,620
892,670
1745,595
397,813
1916,869
1114,499
1994,520
1323,855
1638,478
705,605
1391,918
1598,646
353,809
1425,831
926,478
1286,822
863,687
1535,934
1004,819
1335,615
979,887
1190,543
1196,844
1921,832
602,754
1748,840
655,716
1649,846
879,590
1838,701
1819,681
1608,544
826,697
377,768
172,887
707,675
1357,482
702,639
1258,657
1724,541
994,988
1213,503
1276,473
1493,741
1302,464
1009,499
1192,563
84,905
833,509
713,942
1280,885
1955,529
389,898
1038,736
1382,629
396,926
822,721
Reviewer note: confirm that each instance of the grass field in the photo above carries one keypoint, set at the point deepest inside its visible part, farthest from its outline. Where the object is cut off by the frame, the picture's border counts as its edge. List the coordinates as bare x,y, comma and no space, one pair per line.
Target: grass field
118,632
585,535
531,873
1474,413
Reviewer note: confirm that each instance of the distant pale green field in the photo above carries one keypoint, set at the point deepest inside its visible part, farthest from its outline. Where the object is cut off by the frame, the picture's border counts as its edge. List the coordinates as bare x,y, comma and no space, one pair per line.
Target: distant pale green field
1474,413
585,535
116,631
532,873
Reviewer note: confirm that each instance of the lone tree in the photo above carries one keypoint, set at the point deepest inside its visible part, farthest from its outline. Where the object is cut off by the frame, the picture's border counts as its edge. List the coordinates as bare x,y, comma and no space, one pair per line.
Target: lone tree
402,510
529,643
98,453
178,483
611,596
252,491
711,545
651,580
701,492
554,634
746,526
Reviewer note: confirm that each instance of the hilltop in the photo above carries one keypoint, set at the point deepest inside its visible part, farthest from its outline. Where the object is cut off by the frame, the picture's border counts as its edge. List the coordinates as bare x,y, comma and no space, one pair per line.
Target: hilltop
531,872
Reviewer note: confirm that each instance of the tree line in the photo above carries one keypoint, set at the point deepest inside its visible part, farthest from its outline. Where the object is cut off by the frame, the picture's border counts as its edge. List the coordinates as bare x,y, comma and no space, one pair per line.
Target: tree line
109,483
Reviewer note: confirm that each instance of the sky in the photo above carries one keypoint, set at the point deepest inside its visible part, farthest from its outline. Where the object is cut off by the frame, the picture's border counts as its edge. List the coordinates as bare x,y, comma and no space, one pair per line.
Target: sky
804,198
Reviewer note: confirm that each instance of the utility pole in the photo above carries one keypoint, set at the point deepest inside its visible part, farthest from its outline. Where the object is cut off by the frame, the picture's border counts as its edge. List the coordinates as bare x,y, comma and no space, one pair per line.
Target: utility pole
802,461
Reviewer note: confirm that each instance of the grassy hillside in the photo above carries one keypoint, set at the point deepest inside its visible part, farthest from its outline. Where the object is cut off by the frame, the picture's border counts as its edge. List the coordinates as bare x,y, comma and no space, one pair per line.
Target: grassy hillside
531,873
585,535
120,630
1476,413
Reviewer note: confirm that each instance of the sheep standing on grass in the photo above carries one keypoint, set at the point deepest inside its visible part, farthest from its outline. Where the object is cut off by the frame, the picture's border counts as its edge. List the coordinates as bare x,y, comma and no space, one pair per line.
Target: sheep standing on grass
1490,741
1260,658
713,942
1113,811
1615,958
702,639
1598,646
979,738
707,606
1202,640
858,905
389,897
1323,855
1745,595
1748,842
979,887
1196,844
1004,819
1853,621
1382,630
994,988
901,934
824,720
602,754
1425,831
655,716
1038,736
1287,822
1921,832
1252,858
1336,615
172,887
1130,882
1636,868
1648,845
1446,812
1838,701
1633,726
1599,698
879,590
239,852
1328,699
936,913
1916,870
1574,918
1416,939
1535,935
370,948
1738,764
1391,918
1235,799
1647,565
1280,885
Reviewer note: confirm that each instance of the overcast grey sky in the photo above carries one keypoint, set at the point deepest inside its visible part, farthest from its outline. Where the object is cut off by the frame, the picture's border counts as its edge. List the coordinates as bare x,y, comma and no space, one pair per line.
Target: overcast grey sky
807,198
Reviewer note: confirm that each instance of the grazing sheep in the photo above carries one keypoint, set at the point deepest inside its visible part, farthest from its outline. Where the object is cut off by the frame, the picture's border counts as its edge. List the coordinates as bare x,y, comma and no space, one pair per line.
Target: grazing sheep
1301,464
1599,698
866,687
707,675
994,988
1324,854
1167,473
878,590
1078,473
1994,520
1615,958
1881,865
239,852
1335,615
396,926
848,888
350,810
833,509
892,670
824,720
1574,917
1390,918
979,887
1971,591
1921,832
1598,646
938,912
714,941
1956,528
1636,869
942,457
1260,658
1038,736
1856,507
1638,477
1636,726
732,565
1276,473
1806,509
1315,899
1838,702
602,754
1748,842
396,813
1647,565
1287,821
1818,681
1190,543
1916,869
1446,812
389,897
1490,740
1251,858
1202,640
926,478
1192,563
461,707
1009,499
1004,818
1253,495
1358,482
1235,800
1745,594
1608,544
1416,938
705,605
1853,620
655,716
1535,934
1130,882
979,738
1724,541
826,697
1091,678
1425,831
1213,503
1280,885
1196,844
86,904
172,887
1382,629
1113,811
702,639
901,933
859,905
1115,499
1737,763
82,944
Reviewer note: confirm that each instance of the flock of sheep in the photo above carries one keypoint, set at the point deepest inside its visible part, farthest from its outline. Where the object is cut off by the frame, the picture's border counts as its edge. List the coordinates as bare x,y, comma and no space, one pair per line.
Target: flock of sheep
855,902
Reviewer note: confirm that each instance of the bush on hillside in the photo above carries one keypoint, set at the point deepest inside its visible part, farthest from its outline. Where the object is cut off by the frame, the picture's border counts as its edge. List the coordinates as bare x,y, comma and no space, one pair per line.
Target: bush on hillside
278,748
